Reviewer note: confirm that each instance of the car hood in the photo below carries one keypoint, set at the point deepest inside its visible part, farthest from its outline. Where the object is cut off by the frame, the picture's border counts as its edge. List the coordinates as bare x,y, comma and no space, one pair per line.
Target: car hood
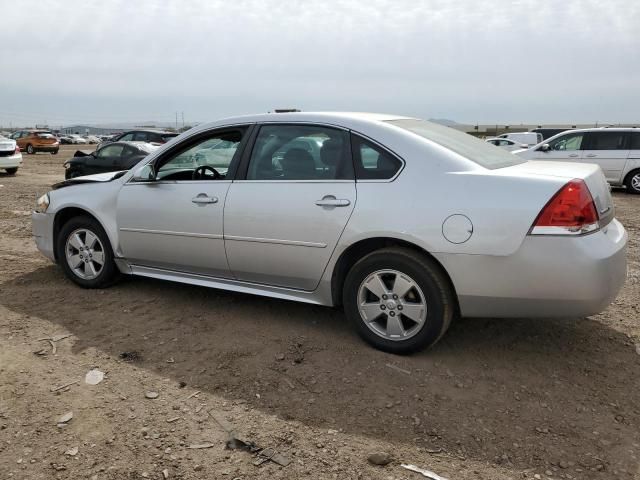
97,178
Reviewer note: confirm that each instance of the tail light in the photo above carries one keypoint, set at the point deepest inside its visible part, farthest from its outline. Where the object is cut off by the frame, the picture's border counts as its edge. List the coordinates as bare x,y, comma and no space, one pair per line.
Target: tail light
17,150
571,211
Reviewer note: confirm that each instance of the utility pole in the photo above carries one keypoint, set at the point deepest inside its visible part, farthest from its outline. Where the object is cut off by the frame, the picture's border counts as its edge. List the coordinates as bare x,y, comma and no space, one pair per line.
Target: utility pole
183,120
176,121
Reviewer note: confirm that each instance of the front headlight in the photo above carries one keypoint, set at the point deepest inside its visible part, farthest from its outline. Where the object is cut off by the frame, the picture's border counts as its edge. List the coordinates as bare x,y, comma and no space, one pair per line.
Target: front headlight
66,164
42,203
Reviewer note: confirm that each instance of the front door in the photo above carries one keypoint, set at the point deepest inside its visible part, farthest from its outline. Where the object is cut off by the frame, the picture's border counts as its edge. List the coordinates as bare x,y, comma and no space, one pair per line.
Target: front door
176,221
566,148
610,150
283,221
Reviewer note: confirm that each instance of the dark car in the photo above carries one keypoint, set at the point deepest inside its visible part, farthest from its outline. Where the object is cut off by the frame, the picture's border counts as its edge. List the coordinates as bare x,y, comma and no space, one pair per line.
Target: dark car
150,136
107,158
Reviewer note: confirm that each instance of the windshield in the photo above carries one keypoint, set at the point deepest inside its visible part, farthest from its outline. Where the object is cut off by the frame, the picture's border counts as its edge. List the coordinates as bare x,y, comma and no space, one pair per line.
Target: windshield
474,149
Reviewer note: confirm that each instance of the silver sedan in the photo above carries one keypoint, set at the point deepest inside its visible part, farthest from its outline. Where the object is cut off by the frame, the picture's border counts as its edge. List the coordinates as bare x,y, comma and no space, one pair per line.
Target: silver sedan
405,223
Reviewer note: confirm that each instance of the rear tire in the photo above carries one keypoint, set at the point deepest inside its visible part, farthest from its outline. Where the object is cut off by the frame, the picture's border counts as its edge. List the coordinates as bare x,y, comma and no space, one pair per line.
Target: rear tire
81,245
415,304
632,182
11,171
30,149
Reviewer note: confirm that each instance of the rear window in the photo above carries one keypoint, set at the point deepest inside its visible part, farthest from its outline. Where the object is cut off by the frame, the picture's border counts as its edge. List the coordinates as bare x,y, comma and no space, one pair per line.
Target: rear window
635,141
461,143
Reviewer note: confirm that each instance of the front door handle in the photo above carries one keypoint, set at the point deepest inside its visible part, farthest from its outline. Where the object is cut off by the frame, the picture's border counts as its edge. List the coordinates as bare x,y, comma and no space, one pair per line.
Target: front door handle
331,201
574,155
204,199
591,155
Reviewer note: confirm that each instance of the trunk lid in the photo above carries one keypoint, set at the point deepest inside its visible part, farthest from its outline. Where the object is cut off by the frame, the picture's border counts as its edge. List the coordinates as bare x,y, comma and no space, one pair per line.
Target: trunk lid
591,174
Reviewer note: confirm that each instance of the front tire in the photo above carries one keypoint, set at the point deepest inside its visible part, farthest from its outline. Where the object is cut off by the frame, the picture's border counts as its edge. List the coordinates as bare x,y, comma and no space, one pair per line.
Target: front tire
11,171
398,300
632,182
85,253
30,149
55,152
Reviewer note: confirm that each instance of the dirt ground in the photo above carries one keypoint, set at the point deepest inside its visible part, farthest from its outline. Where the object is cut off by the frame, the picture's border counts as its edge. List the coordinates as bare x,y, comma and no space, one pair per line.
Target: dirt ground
496,399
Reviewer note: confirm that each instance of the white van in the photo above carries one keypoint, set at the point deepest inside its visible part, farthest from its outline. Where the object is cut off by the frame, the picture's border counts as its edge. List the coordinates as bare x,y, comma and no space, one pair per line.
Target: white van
529,138
616,150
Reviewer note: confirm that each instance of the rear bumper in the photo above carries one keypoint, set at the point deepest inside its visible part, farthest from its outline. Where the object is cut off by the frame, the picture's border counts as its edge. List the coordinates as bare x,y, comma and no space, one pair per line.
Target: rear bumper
13,161
46,148
547,277
42,227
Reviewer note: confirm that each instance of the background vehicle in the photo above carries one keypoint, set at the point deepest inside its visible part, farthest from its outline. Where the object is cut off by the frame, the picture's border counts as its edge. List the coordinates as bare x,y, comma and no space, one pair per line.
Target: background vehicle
549,132
77,139
511,242
10,156
92,139
149,136
65,139
506,144
33,141
527,138
109,158
615,150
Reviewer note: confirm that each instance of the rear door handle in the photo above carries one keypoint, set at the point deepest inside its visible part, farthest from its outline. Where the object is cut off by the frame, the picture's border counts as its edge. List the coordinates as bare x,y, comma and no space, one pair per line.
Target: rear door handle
203,199
331,201
574,155
591,155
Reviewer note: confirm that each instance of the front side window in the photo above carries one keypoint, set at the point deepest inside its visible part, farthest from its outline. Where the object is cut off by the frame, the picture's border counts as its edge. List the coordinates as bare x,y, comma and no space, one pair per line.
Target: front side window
126,138
300,152
110,151
567,142
372,162
607,141
209,158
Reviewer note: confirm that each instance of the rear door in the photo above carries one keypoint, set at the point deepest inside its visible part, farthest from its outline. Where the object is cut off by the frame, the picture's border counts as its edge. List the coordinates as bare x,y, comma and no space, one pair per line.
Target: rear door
285,216
610,150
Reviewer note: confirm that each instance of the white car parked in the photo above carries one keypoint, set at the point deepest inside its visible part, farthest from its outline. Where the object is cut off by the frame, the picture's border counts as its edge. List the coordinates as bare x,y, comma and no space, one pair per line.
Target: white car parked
10,156
528,138
615,150
506,144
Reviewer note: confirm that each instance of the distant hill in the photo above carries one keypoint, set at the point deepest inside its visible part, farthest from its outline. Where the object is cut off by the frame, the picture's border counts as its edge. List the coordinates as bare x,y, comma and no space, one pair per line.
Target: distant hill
444,121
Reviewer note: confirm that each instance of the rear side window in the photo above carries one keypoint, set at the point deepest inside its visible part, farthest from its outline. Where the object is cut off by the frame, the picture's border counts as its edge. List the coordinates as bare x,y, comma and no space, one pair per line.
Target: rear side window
606,141
635,141
141,137
373,162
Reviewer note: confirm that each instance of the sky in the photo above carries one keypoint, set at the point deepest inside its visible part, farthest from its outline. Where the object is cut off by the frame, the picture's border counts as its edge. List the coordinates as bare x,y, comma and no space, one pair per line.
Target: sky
489,61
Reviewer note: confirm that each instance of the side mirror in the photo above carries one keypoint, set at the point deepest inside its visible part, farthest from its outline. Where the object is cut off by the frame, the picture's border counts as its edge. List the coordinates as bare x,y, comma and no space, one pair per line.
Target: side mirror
145,174
545,147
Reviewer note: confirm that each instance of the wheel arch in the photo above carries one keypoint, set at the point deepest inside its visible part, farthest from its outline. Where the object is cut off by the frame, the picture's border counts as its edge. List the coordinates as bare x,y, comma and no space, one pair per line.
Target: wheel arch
67,213
629,174
363,247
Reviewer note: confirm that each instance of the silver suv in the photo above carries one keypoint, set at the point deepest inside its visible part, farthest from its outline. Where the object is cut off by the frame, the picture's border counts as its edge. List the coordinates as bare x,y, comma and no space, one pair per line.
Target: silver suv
616,150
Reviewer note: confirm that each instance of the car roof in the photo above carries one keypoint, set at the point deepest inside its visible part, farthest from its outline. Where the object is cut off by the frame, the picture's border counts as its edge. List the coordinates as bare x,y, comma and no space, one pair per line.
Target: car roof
337,118
602,129
150,130
146,146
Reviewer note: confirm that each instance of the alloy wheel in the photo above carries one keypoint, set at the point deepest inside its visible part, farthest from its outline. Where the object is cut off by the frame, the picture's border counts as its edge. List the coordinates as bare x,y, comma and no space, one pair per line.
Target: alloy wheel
635,182
392,305
85,254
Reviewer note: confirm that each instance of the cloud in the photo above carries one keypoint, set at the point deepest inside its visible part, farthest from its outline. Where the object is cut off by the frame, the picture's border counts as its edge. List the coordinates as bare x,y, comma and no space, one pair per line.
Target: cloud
490,61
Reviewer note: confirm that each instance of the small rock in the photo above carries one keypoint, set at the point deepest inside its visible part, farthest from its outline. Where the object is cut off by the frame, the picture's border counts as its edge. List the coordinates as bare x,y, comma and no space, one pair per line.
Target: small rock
165,473
379,458
182,384
548,473
151,395
144,475
93,377
72,452
197,468
279,356
66,417
563,464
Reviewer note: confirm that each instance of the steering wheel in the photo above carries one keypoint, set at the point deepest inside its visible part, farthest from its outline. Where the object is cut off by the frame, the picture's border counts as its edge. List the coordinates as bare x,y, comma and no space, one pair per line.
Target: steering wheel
200,173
